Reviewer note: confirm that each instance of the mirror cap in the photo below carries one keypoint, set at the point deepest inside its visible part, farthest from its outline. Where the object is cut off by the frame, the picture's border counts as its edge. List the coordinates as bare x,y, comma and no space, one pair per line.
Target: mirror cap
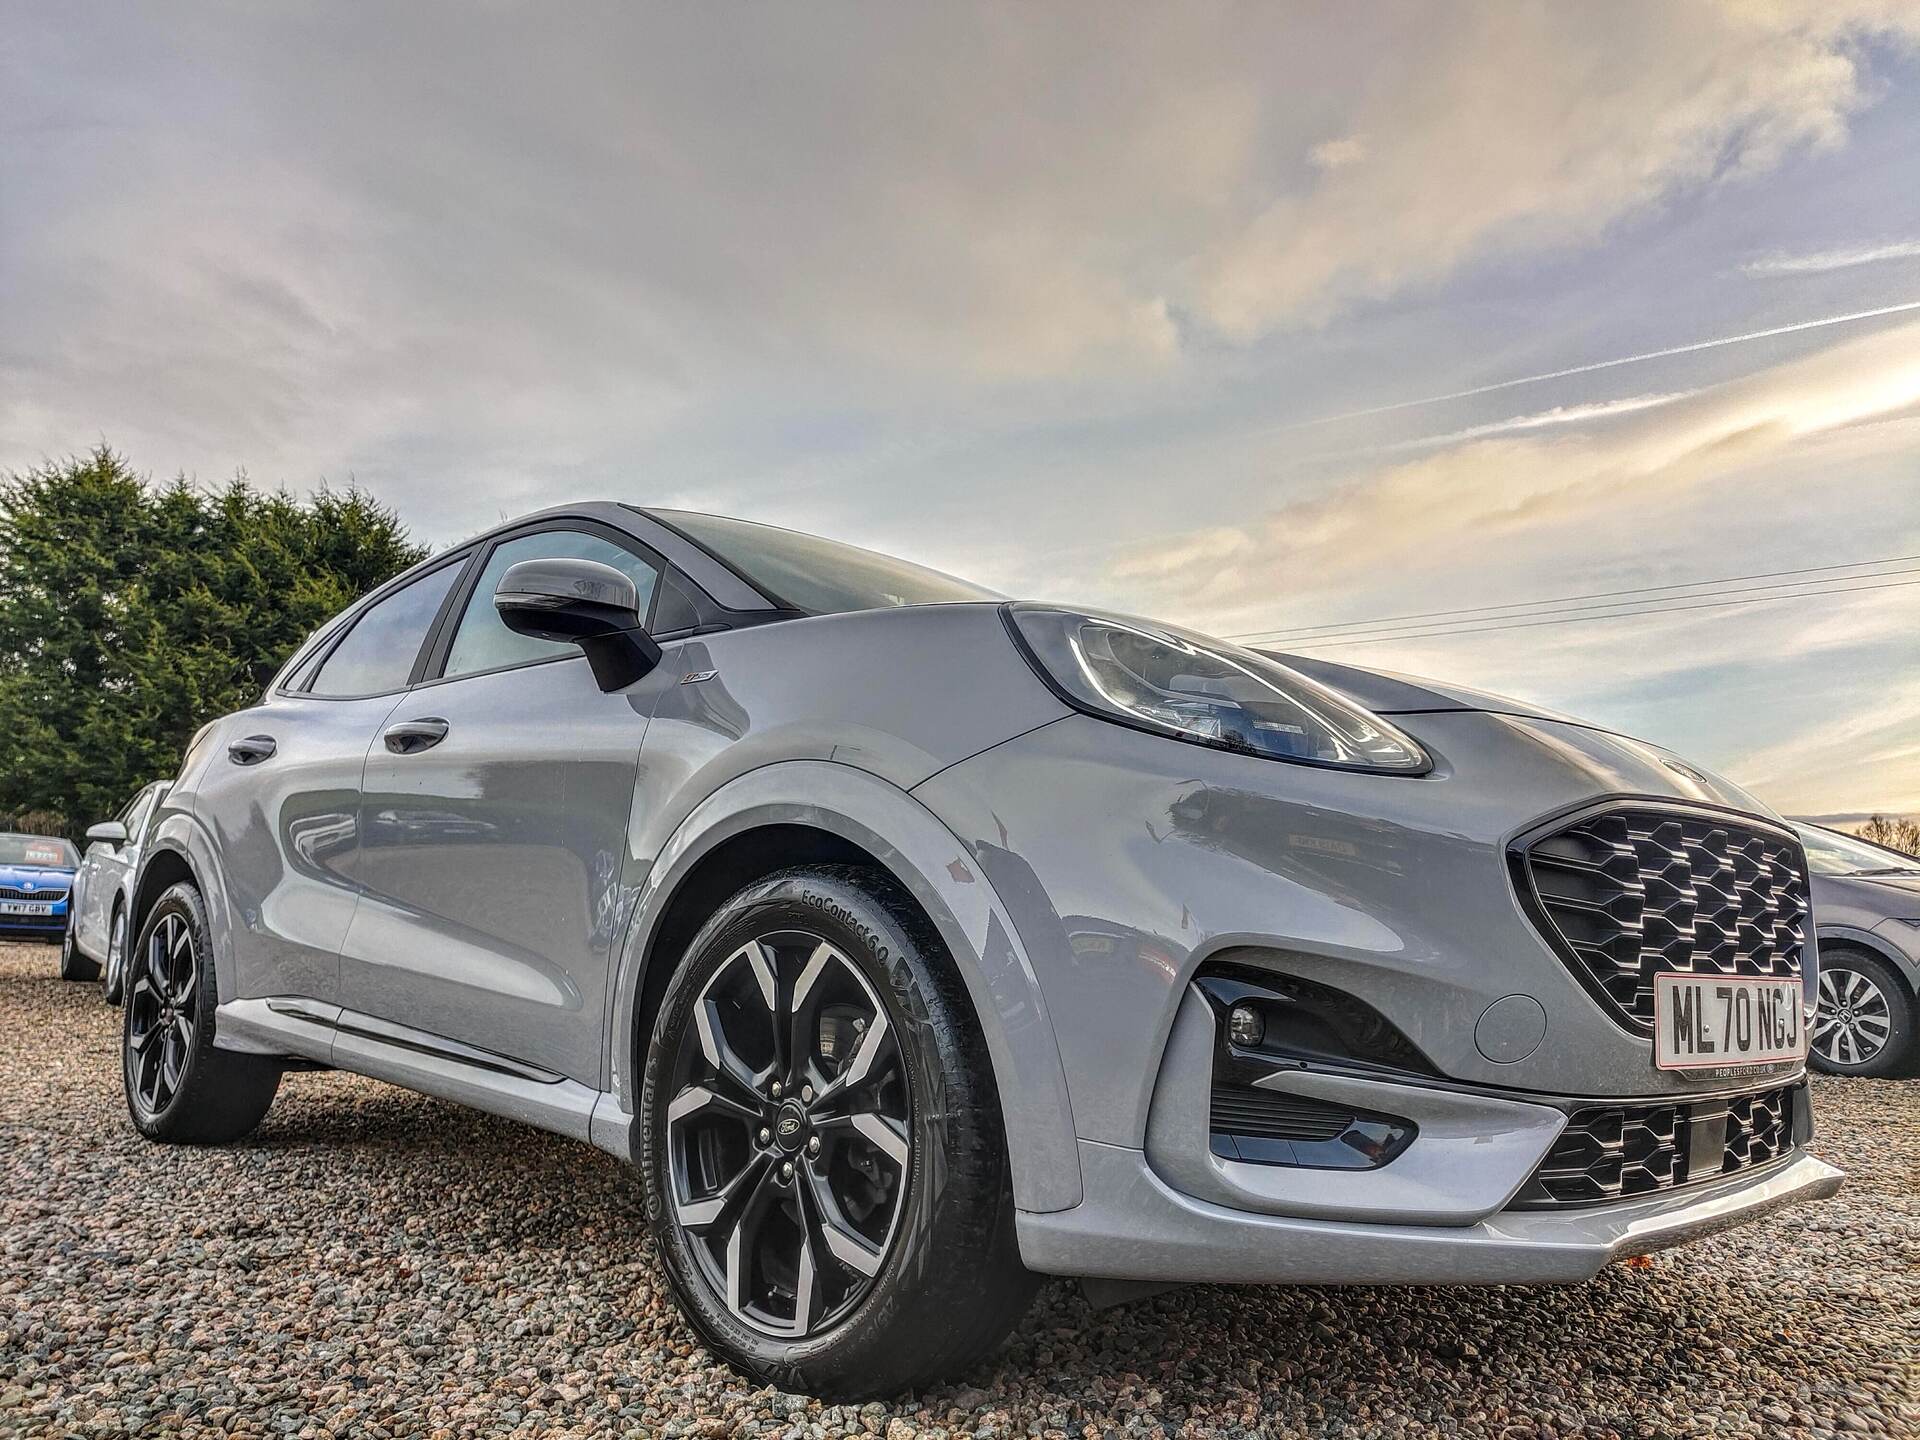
111,831
566,600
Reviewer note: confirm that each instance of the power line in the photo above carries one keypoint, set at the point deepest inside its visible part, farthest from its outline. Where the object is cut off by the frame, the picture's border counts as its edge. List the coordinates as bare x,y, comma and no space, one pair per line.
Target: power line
1286,632
1340,641
1784,586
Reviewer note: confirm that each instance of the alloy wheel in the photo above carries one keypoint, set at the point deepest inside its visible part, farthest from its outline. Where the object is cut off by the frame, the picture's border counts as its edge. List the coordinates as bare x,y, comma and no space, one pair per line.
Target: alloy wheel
163,1014
1854,1020
789,1134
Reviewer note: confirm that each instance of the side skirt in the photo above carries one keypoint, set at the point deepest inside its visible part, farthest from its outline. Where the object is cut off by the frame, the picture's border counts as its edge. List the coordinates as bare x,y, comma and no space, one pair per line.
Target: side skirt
295,1027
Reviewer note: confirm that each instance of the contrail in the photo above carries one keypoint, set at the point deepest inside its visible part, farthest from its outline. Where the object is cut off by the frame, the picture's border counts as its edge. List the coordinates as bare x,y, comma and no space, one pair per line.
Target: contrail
1606,365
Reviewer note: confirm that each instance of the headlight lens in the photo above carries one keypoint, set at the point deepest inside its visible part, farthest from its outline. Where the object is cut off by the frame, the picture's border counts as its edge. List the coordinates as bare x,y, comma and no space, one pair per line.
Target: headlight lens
1173,682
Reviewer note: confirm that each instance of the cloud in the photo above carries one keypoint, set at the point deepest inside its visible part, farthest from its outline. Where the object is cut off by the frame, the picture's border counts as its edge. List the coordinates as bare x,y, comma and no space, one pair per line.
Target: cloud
1862,756
1333,154
1819,261
1692,347
1619,108
1489,492
458,223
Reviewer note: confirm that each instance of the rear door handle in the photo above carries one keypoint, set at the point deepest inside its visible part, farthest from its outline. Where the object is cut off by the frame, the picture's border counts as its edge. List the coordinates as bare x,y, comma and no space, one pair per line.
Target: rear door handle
410,737
252,750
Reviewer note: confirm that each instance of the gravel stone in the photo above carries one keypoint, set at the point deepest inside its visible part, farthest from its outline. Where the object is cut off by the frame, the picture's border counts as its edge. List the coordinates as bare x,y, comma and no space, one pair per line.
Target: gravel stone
375,1263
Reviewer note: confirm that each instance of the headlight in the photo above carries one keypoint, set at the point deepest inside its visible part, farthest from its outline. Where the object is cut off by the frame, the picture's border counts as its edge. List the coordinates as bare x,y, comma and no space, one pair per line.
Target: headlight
1173,682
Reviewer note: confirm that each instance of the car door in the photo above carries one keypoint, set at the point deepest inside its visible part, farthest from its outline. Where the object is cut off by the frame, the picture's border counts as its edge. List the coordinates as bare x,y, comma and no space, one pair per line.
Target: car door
86,905
102,872
493,826
281,798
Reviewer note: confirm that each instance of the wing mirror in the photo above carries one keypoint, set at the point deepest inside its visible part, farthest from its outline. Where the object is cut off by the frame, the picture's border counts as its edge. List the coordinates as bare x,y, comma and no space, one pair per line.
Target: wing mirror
108,832
584,603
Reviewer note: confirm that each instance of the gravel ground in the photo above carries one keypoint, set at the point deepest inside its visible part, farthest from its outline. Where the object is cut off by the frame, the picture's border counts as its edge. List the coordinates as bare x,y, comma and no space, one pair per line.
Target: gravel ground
375,1263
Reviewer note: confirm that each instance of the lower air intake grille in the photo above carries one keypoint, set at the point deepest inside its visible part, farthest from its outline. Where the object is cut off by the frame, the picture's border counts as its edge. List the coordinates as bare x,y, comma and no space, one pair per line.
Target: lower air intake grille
1759,1129
1269,1116
1615,1152
1625,894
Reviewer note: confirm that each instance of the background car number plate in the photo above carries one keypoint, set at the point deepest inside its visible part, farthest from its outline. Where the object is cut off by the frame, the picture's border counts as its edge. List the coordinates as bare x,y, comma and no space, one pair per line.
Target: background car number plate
24,907
1717,1022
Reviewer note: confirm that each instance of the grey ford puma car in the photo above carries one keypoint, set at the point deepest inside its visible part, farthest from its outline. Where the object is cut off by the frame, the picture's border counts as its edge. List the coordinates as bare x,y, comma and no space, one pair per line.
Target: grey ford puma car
913,943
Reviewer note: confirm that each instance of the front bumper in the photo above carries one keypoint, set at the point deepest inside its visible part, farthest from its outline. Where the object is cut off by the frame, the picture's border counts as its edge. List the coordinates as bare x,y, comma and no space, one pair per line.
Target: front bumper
41,926
1135,868
1134,1226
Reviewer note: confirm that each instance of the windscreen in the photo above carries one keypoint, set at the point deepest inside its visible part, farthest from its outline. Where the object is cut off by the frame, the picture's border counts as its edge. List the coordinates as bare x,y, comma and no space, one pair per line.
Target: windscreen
1831,853
821,577
38,850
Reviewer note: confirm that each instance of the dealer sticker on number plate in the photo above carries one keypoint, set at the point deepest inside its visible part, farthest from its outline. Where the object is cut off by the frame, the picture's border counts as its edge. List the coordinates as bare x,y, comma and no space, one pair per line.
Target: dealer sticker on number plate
1726,1023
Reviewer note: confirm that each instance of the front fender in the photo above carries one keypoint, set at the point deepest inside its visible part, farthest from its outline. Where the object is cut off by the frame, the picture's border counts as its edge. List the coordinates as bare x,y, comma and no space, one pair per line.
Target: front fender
935,867
1874,943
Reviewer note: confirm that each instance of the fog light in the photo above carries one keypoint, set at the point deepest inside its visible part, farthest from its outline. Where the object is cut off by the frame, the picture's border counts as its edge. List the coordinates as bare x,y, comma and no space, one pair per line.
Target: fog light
1245,1027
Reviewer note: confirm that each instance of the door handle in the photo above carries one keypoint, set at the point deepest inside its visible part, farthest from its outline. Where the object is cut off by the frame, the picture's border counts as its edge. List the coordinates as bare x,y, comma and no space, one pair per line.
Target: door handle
410,737
252,750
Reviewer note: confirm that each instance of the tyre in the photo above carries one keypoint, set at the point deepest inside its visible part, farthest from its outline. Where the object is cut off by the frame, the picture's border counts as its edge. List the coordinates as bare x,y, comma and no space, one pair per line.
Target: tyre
117,955
74,965
180,1087
826,1170
1865,1023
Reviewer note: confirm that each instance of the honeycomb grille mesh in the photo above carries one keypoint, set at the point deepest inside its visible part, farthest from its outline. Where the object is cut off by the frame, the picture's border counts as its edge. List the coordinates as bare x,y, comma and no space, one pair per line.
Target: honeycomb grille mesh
1616,1152
1759,1129
1629,893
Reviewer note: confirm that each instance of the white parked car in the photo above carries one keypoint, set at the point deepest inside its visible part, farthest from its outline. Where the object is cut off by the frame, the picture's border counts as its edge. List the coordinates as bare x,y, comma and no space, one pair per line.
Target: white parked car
102,891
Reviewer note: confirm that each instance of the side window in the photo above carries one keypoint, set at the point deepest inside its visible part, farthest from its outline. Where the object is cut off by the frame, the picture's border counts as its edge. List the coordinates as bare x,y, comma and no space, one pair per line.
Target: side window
483,641
136,817
378,654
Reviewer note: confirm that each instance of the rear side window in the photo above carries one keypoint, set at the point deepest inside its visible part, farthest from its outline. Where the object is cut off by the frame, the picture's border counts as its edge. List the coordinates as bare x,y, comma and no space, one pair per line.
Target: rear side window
483,641
378,653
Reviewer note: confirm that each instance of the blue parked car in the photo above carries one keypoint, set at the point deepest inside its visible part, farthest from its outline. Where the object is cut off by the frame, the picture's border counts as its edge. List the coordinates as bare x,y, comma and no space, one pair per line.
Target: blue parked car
36,877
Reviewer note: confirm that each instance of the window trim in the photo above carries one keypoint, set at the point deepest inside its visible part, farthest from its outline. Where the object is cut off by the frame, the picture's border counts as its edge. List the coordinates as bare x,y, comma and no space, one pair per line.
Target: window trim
430,669
309,672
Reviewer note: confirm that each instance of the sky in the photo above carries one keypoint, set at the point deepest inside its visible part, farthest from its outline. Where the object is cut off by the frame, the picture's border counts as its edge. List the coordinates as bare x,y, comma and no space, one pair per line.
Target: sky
1260,319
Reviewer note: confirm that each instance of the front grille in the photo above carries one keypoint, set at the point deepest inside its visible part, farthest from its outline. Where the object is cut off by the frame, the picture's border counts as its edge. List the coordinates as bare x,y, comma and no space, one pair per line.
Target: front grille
11,892
1615,1152
1627,893
1272,1116
1759,1129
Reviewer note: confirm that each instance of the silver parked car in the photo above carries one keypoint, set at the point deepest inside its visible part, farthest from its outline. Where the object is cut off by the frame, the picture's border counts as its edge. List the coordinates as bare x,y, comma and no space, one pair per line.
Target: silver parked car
102,892
1867,900
913,943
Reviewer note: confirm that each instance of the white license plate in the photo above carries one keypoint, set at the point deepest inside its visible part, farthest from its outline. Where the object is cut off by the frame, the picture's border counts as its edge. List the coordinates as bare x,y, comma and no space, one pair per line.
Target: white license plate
1720,1023
24,907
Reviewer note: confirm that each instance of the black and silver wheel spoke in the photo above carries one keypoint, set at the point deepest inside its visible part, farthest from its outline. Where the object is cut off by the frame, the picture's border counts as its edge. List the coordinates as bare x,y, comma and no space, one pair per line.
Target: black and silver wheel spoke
788,1133
848,1247
161,1014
